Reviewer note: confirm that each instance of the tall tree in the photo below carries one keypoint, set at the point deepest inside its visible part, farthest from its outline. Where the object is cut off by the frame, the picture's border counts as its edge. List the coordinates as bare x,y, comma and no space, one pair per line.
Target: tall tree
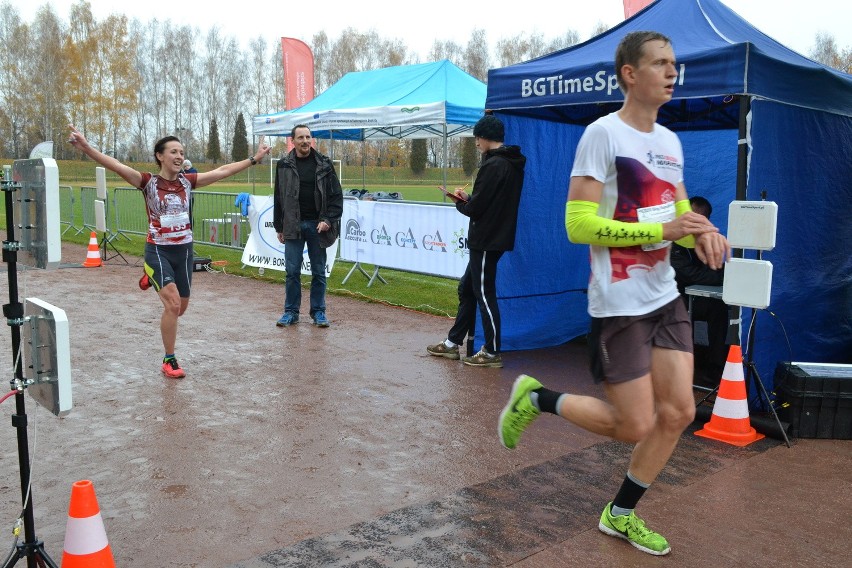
47,78
233,88
476,60
321,49
827,52
449,50
116,79
239,146
210,99
277,78
14,56
258,92
599,28
567,39
523,47
79,86
214,153
470,156
418,158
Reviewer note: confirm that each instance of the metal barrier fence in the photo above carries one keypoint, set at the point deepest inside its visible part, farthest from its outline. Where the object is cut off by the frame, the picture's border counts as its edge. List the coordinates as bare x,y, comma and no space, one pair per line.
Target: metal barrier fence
87,206
66,209
216,220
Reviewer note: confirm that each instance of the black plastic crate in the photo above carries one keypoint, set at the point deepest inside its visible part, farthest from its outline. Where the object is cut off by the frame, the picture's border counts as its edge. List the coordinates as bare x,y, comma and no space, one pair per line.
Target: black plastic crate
815,399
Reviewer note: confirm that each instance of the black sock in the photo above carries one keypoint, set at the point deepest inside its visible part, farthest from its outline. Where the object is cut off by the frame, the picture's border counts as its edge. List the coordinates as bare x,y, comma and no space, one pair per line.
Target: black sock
629,493
547,400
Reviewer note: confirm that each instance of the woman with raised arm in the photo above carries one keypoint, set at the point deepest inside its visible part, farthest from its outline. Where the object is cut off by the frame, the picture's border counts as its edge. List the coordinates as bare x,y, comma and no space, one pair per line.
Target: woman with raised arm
169,256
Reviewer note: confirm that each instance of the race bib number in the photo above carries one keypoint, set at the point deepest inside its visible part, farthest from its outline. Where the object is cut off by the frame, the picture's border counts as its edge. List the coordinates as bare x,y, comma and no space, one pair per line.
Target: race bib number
662,213
175,222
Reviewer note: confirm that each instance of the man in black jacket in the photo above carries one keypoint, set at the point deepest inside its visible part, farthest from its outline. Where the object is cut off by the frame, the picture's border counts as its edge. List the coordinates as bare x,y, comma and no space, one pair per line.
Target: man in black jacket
493,210
308,204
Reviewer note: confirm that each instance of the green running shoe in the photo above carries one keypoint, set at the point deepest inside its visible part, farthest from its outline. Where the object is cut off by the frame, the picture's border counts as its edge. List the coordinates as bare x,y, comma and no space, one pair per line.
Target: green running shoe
632,529
519,412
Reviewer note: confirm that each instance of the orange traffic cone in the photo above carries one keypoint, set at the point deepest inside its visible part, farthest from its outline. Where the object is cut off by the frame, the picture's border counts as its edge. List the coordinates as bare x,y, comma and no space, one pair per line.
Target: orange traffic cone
730,422
93,256
86,544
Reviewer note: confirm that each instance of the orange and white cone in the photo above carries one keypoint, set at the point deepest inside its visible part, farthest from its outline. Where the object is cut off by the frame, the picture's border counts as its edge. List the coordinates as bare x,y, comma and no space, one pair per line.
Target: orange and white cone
86,544
729,422
93,255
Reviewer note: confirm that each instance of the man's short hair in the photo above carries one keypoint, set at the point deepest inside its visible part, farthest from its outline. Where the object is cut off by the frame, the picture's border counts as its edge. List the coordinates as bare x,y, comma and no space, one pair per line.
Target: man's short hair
630,51
701,206
489,127
293,132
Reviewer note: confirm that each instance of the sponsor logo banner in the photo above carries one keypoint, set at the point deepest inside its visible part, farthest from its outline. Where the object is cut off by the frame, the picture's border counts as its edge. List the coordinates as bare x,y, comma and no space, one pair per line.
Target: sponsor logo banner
263,249
431,239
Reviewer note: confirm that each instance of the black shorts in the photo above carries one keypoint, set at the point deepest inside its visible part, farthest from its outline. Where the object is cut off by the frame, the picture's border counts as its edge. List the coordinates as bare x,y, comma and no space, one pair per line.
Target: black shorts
620,347
167,264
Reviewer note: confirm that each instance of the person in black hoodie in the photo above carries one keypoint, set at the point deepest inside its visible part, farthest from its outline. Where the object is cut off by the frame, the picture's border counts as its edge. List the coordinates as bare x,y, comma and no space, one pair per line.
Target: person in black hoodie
493,210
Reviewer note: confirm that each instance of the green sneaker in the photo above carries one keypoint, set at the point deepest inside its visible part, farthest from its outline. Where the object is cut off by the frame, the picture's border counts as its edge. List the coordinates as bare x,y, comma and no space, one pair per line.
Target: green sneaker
632,529
519,412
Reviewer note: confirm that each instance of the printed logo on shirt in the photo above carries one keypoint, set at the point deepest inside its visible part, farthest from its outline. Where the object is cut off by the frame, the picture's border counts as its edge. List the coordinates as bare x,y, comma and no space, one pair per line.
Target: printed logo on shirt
664,161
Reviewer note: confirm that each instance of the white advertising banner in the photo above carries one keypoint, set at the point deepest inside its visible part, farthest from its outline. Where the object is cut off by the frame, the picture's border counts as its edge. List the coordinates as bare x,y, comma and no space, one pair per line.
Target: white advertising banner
263,249
342,119
431,239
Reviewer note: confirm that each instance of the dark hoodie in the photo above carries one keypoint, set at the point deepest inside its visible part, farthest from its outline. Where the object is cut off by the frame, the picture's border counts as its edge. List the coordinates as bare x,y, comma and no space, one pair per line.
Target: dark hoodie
493,204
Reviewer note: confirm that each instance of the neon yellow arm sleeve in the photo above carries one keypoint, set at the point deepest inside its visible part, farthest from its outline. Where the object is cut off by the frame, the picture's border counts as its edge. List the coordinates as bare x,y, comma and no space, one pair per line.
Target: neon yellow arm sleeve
585,226
682,207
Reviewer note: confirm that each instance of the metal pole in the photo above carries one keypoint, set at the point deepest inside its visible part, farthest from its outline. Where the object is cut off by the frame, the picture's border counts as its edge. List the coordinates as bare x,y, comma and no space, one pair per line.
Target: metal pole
32,548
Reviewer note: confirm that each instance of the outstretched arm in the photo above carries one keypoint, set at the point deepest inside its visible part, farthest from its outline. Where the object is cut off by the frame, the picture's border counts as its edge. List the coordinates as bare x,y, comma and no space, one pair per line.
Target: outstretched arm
228,170
127,173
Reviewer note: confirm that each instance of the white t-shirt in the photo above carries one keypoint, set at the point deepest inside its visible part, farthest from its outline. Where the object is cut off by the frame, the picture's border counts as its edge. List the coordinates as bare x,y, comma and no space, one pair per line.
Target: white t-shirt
640,172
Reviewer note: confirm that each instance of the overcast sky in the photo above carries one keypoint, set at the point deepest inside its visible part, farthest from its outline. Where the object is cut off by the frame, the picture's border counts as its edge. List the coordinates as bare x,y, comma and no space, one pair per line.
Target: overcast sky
794,23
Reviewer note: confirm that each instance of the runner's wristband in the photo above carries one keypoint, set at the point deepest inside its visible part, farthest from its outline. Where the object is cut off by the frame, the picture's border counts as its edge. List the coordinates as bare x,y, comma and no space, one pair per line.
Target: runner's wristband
585,226
682,207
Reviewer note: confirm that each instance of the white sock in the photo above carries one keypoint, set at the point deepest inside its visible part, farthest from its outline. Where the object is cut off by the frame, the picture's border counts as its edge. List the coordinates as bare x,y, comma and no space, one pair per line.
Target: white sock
449,344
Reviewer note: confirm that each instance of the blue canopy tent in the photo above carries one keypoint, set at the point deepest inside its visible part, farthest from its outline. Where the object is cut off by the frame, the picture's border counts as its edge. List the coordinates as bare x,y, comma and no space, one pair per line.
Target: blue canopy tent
411,101
429,100
753,117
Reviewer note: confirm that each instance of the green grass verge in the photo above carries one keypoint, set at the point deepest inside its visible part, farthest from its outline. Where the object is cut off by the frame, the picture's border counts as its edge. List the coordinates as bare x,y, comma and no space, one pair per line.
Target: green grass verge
428,294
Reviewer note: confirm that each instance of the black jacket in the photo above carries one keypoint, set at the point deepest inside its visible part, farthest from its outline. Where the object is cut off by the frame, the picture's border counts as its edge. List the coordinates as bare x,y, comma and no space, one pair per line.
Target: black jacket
493,204
328,197
689,270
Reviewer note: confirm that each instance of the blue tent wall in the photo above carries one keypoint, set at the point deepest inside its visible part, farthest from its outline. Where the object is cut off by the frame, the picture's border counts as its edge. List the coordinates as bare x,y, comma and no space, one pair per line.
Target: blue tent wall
541,284
800,136
800,158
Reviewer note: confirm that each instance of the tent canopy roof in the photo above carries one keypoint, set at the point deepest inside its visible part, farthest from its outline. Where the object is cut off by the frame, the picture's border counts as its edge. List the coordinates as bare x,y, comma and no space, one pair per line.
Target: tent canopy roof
719,55
410,101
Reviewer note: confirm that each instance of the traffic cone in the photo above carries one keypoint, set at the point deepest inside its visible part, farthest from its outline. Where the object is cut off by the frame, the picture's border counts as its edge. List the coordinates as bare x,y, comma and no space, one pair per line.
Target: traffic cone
729,422
86,544
93,256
